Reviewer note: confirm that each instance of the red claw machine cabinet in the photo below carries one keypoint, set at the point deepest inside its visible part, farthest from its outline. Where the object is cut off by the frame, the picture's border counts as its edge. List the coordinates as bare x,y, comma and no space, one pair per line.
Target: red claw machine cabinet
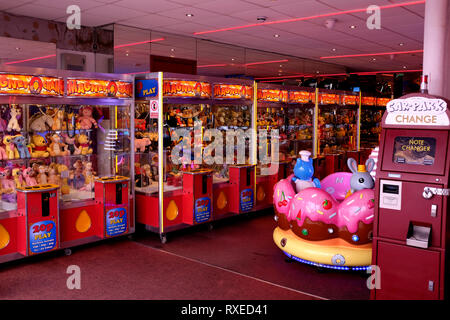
411,226
273,144
182,163
60,130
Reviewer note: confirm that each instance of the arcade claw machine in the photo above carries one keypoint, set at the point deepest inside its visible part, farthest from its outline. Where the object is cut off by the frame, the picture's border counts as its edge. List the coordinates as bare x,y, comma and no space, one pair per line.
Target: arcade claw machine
182,162
274,151
62,134
411,225
338,129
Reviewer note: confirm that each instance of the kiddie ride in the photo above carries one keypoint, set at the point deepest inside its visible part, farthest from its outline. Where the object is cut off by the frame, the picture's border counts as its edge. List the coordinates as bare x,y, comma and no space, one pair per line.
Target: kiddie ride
326,223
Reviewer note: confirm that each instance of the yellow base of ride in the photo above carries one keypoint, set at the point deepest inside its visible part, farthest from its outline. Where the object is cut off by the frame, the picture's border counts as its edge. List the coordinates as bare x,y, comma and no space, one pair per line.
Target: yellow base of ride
331,252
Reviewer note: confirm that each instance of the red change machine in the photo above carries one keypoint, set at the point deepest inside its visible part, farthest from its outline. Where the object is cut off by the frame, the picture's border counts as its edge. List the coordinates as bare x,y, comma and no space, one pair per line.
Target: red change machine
411,227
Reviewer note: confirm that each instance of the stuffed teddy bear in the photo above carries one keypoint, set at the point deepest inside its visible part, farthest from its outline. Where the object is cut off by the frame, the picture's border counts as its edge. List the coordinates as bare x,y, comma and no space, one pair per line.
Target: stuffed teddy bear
84,143
38,146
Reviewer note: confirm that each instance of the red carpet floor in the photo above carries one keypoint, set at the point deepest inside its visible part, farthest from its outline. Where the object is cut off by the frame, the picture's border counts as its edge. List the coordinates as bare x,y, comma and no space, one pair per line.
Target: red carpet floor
244,244
122,269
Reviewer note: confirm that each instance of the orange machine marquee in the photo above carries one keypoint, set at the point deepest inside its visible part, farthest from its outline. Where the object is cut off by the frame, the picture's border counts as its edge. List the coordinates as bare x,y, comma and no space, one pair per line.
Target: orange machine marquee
329,98
94,88
299,96
232,91
17,84
350,99
368,101
186,89
272,95
382,102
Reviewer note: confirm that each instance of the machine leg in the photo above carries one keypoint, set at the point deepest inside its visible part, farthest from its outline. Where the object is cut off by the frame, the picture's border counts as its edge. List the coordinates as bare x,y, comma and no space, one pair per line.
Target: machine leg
163,238
210,226
67,251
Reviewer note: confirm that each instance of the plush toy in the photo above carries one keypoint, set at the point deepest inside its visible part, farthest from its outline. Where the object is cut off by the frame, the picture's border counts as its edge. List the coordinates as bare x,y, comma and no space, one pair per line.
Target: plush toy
3,155
85,120
70,145
63,172
41,122
56,147
140,144
53,178
10,148
84,143
20,143
77,177
42,175
7,186
89,176
38,146
58,120
29,177
17,177
361,178
3,124
13,123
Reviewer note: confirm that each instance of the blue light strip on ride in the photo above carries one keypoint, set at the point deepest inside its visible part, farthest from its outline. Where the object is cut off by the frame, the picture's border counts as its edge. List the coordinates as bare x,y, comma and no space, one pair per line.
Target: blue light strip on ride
362,268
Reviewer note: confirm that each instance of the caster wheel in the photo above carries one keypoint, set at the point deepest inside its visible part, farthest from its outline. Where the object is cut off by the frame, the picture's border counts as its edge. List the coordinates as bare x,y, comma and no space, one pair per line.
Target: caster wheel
163,238
210,227
68,252
321,270
288,260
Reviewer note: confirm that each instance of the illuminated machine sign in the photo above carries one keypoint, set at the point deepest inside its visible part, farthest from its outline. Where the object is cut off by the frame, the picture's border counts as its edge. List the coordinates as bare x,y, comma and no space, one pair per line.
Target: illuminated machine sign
272,95
417,111
329,98
232,91
94,88
299,96
186,89
31,85
349,100
368,101
382,102
146,88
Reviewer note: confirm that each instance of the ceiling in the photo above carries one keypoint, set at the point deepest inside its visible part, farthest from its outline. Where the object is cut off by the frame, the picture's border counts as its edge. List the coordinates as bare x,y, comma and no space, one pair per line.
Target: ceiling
401,30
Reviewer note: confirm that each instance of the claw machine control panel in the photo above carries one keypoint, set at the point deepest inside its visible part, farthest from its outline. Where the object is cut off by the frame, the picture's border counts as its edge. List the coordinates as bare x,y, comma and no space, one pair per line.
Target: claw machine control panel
411,240
197,200
242,180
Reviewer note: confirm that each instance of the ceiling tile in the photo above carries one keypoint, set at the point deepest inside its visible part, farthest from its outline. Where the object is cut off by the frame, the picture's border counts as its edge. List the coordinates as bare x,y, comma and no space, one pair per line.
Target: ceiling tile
150,21
227,7
148,6
114,13
199,14
32,10
7,4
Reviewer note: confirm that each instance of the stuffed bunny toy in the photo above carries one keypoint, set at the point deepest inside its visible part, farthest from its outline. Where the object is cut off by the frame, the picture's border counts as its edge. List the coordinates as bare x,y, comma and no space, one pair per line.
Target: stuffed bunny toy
361,178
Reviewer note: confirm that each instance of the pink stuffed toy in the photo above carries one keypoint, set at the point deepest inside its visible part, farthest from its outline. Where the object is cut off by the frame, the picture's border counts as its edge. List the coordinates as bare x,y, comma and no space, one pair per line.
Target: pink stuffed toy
140,144
85,119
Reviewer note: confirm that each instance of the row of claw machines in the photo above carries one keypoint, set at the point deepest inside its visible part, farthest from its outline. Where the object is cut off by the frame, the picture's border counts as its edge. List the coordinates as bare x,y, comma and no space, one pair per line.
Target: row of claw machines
86,156
65,159
209,148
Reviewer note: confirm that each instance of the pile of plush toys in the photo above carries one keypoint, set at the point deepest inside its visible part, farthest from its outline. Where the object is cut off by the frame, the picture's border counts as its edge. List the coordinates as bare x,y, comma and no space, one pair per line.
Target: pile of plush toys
186,116
231,116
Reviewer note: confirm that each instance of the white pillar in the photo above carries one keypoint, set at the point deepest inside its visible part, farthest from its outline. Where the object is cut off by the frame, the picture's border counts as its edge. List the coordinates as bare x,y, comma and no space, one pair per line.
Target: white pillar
436,46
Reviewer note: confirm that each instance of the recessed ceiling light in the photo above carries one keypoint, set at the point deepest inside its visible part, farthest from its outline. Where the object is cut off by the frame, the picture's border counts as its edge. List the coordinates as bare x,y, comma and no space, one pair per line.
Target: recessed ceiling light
281,66
232,59
401,44
317,71
172,49
127,54
172,56
276,35
352,27
17,48
334,49
404,67
374,59
189,15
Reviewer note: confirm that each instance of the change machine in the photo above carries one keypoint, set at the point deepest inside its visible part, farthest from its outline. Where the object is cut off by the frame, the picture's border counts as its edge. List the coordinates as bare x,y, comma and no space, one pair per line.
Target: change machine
410,243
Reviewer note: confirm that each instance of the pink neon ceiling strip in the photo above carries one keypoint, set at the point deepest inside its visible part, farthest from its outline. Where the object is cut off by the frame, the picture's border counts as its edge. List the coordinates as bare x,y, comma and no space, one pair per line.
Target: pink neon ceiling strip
137,43
31,59
371,54
212,65
265,62
389,6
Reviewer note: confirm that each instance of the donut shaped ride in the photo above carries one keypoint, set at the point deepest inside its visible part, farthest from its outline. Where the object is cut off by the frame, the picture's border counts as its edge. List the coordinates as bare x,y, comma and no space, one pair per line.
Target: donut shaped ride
323,227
